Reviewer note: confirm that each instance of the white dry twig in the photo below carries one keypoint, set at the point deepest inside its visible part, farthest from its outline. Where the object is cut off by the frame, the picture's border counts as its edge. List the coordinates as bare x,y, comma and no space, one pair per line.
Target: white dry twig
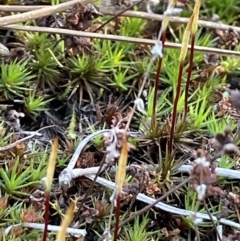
223,172
53,228
7,147
28,133
73,173
220,231
166,207
66,176
69,173
79,172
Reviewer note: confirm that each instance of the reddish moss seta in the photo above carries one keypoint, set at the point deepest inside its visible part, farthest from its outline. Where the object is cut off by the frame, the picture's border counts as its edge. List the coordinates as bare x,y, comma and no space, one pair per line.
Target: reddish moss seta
174,115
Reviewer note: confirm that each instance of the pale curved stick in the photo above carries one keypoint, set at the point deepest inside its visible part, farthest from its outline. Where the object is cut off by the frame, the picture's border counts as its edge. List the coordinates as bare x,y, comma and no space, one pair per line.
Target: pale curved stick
166,207
220,231
66,176
223,172
53,228
69,173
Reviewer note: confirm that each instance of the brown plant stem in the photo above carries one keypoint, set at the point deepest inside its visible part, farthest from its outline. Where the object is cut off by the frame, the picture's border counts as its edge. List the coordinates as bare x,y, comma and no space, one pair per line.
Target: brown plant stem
174,115
210,216
157,79
117,216
46,215
189,77
146,208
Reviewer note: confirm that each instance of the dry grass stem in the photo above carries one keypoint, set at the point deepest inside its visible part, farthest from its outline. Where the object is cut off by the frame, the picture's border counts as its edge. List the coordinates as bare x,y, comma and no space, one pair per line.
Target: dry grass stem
136,14
34,14
222,52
